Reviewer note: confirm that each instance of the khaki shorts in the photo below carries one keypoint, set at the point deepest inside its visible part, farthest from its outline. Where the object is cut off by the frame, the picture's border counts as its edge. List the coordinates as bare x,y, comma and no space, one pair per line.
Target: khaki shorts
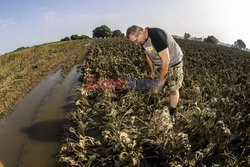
174,77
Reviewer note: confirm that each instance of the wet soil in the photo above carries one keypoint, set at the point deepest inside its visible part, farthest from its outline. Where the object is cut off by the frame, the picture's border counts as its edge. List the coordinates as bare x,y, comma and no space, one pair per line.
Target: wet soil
30,135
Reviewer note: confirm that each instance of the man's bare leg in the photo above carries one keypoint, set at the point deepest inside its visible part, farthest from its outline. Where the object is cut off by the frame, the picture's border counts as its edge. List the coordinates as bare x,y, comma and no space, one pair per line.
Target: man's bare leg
174,98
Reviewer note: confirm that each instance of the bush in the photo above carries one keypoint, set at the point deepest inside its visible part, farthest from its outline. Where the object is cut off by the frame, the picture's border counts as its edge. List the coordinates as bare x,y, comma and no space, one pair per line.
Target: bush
84,37
211,39
65,39
117,33
240,44
74,37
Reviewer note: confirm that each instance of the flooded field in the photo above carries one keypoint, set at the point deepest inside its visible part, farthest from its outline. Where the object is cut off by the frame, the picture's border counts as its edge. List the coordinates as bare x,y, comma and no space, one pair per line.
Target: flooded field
30,135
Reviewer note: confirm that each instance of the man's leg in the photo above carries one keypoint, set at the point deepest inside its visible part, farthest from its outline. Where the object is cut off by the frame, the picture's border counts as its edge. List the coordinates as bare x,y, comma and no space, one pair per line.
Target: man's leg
176,79
174,98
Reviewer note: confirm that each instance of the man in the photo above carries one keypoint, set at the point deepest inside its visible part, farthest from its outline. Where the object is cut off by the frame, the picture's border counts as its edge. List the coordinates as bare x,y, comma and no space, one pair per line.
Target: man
164,56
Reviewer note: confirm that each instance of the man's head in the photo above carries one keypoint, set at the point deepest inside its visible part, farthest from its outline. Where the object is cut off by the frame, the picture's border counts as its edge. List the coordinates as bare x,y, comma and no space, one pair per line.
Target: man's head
136,34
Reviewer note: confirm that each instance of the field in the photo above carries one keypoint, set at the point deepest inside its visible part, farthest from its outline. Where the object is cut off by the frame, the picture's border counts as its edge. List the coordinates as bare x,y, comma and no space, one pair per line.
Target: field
131,127
116,124
21,70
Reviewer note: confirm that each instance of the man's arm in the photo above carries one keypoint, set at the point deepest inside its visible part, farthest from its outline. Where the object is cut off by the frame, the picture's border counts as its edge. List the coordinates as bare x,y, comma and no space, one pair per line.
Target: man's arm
150,63
164,54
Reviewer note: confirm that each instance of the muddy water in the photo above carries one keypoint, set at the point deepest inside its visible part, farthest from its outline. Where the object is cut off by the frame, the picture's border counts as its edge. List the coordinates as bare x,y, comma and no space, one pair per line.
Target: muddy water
30,135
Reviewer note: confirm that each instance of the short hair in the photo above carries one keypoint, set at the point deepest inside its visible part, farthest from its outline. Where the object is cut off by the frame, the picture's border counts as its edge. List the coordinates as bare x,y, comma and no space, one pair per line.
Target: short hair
132,29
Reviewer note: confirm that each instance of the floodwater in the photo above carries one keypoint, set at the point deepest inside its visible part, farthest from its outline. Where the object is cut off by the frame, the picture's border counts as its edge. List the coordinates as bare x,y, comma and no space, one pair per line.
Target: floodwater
30,135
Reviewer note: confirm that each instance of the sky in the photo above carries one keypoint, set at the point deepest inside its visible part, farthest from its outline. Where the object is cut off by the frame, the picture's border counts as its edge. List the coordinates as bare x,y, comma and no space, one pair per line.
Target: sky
32,22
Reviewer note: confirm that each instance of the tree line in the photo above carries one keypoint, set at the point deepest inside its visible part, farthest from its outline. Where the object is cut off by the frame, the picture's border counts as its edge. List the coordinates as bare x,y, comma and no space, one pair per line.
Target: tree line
239,43
102,31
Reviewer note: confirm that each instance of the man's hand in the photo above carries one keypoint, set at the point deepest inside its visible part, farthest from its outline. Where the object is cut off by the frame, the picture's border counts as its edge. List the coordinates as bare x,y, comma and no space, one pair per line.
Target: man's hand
152,74
160,83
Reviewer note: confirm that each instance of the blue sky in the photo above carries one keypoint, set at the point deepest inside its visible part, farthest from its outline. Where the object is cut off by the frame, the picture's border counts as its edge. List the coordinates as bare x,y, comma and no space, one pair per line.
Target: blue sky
32,22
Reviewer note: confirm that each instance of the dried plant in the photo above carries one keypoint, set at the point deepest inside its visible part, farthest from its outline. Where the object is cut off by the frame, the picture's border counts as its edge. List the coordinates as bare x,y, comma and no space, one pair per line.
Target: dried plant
127,127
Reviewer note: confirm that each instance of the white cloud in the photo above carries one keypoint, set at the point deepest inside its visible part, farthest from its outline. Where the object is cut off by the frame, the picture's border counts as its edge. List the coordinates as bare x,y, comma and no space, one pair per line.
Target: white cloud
6,22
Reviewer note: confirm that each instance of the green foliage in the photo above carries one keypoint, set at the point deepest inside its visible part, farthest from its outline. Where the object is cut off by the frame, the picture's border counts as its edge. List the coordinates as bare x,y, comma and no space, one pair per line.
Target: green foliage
102,32
117,33
211,39
187,36
240,44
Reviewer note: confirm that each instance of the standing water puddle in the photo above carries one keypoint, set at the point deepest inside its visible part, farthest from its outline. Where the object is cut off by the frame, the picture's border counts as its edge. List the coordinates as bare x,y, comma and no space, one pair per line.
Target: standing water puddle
30,135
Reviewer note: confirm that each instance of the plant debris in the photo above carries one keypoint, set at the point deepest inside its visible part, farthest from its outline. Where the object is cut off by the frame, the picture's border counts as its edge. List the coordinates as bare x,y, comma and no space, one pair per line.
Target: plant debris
132,127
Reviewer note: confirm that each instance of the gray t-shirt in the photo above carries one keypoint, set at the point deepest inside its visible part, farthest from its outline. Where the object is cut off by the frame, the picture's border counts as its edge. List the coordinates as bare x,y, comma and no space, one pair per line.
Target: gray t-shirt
159,40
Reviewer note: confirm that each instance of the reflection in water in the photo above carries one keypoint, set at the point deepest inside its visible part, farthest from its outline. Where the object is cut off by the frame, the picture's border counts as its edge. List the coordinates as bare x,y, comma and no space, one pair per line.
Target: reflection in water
50,130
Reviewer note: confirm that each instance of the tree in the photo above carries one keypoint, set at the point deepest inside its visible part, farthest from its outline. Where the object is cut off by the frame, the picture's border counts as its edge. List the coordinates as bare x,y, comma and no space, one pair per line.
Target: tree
211,39
187,36
117,33
240,44
65,39
102,32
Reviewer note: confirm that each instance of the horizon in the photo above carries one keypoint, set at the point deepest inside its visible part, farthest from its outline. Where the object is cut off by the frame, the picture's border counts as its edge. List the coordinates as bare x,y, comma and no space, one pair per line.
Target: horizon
29,23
